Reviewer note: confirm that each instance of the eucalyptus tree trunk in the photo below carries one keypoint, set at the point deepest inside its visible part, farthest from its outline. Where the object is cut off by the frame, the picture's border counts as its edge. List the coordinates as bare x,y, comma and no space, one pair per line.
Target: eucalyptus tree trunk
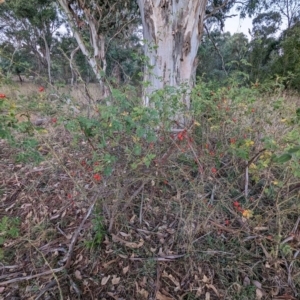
97,59
73,70
47,57
172,33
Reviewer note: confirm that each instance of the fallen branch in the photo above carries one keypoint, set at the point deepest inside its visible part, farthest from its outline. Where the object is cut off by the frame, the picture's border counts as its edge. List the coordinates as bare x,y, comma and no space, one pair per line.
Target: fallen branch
68,256
32,276
165,258
66,259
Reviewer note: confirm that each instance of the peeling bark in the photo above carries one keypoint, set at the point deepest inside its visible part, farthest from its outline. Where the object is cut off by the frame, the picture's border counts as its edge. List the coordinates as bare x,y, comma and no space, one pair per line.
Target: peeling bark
172,33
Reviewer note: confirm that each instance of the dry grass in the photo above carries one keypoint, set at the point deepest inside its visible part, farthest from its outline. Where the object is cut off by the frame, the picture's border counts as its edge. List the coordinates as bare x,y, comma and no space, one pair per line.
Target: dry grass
170,231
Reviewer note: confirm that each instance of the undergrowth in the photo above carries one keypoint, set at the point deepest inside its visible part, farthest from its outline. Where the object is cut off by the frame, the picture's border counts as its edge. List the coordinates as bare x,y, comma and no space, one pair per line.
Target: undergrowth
120,202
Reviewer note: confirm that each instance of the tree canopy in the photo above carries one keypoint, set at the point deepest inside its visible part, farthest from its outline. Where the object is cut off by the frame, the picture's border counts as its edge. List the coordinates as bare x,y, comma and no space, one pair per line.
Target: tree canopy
41,37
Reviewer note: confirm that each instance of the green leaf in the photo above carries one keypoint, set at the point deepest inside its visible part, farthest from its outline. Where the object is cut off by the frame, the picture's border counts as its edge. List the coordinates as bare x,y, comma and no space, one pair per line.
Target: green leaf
294,150
283,158
137,149
107,170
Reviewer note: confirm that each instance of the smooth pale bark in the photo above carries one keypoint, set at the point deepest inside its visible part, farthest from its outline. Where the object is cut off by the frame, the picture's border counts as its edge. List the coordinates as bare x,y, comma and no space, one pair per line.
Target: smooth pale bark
172,33
73,70
47,56
97,59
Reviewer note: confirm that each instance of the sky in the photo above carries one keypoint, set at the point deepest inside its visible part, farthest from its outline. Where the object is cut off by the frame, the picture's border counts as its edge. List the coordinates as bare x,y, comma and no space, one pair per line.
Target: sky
237,25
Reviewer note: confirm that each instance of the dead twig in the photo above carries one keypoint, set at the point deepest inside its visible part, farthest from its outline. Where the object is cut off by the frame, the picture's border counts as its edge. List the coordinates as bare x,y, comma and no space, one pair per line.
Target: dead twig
32,276
68,256
50,285
165,258
66,259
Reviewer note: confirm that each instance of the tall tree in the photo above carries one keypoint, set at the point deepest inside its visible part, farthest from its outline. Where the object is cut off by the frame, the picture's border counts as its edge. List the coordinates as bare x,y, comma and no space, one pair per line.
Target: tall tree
286,64
95,23
288,9
221,55
172,34
32,26
263,44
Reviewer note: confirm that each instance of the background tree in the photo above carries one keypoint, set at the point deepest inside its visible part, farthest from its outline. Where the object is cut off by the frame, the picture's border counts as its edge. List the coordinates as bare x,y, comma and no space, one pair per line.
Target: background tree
95,24
286,63
32,26
221,55
263,44
289,10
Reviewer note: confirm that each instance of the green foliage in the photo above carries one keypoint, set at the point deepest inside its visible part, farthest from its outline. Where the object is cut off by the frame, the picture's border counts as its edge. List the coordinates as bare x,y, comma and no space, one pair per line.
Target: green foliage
98,232
28,151
7,118
287,64
27,36
9,229
112,126
222,55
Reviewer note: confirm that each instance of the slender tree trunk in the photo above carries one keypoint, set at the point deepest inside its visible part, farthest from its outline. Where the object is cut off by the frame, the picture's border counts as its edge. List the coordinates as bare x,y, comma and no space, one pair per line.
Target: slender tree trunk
48,57
73,70
172,33
97,42
20,78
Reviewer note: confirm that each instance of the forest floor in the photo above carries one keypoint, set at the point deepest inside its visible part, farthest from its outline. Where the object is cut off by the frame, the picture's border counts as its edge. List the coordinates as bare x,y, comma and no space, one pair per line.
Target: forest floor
211,212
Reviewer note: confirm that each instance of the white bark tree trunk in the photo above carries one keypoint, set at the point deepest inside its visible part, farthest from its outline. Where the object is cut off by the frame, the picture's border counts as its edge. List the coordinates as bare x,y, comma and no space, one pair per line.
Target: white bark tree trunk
48,57
172,33
73,70
94,59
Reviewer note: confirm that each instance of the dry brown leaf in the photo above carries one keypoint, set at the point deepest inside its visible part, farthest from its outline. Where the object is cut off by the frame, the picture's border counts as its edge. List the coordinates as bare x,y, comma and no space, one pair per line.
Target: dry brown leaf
113,296
259,294
205,279
275,291
125,270
135,245
10,207
131,221
105,280
106,240
29,215
143,282
211,286
78,259
108,263
78,274
25,205
199,292
115,280
161,253
143,293
128,244
2,288
124,234
160,296
246,281
260,228
207,296
173,279
256,283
